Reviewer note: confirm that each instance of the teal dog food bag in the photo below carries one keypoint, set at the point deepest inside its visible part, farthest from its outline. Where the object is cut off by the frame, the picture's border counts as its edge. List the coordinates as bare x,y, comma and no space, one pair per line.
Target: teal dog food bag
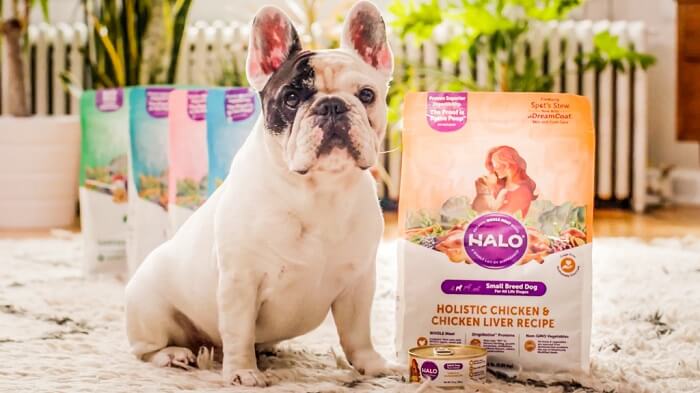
148,176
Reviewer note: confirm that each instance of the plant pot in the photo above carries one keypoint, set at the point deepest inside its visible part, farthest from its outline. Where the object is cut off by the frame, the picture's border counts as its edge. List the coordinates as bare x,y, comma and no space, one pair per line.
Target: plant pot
39,159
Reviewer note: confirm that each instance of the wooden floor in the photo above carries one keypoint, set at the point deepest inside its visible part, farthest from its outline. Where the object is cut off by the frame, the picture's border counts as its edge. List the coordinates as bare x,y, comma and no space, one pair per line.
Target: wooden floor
667,222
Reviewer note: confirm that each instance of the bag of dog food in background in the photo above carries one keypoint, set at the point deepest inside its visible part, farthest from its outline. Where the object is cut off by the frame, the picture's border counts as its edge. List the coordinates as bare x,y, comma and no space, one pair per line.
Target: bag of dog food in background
148,172
231,115
103,179
496,215
188,154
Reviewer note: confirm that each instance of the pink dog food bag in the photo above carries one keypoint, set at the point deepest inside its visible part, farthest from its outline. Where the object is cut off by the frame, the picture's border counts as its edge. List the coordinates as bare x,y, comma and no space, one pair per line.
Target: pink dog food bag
187,152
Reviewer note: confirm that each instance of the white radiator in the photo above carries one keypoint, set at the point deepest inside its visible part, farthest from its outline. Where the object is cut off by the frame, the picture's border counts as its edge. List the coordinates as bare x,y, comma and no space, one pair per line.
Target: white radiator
52,50
212,49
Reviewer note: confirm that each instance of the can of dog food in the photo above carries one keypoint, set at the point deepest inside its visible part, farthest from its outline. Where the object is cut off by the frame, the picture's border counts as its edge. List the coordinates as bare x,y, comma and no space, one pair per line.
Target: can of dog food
448,366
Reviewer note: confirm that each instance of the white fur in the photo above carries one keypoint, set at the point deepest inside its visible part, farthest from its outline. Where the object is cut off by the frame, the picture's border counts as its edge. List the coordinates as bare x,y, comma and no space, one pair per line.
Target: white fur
262,261
343,75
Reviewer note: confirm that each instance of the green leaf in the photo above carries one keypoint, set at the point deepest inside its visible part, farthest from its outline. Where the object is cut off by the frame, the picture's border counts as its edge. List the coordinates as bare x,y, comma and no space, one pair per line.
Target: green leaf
420,219
70,85
644,60
554,220
455,47
100,78
456,210
44,5
548,10
182,10
416,19
608,51
129,14
109,47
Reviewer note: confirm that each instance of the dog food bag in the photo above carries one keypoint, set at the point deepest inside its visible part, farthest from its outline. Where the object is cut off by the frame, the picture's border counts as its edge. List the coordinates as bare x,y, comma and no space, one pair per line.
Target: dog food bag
148,163
495,217
231,115
188,154
104,118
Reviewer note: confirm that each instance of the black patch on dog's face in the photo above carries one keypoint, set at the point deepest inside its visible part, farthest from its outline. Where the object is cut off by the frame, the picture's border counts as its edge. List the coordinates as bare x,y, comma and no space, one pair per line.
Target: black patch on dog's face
295,75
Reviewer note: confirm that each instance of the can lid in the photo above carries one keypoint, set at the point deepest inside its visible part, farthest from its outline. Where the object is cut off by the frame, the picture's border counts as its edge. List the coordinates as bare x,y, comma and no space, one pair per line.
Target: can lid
447,352
443,351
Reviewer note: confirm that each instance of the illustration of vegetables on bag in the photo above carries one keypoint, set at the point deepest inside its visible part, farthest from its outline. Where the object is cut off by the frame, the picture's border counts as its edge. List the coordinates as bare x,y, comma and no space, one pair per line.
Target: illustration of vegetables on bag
110,180
506,188
154,188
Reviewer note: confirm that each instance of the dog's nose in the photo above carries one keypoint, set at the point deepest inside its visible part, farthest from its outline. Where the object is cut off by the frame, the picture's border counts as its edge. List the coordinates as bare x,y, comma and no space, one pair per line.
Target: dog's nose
331,106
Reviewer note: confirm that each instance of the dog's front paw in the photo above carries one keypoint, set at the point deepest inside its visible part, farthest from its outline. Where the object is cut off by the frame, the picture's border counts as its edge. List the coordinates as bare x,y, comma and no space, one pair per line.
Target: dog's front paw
373,364
245,377
173,357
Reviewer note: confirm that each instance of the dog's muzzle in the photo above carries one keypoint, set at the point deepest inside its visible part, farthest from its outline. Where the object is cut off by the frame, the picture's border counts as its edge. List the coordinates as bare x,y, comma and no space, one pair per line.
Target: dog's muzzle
332,117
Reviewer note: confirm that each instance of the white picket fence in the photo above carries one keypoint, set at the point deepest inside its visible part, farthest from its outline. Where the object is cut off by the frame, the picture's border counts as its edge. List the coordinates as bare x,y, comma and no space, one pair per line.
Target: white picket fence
213,49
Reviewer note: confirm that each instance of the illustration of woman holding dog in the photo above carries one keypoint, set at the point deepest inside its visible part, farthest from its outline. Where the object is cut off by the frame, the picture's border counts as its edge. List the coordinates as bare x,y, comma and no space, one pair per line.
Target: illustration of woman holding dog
506,188
414,375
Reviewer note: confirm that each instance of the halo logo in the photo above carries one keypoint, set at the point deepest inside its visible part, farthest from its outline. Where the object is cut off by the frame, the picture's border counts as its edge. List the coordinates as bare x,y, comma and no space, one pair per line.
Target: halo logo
429,370
495,241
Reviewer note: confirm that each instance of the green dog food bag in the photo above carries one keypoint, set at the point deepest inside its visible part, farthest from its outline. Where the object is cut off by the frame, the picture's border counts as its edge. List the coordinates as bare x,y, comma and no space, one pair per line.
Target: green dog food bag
104,116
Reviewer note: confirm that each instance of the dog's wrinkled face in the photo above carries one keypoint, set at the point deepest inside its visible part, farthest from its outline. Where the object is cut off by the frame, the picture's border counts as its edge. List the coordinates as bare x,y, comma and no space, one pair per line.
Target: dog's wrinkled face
324,110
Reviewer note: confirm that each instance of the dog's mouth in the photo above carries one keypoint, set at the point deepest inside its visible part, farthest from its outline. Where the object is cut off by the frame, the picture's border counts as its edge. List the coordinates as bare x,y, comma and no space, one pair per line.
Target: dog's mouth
336,152
336,135
337,141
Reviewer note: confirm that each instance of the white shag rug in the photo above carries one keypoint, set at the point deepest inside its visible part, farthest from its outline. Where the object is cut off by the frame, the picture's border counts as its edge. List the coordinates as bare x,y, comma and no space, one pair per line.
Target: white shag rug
61,332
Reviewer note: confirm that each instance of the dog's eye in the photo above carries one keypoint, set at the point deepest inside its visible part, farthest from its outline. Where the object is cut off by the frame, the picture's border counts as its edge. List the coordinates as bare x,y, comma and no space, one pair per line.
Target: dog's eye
366,96
291,99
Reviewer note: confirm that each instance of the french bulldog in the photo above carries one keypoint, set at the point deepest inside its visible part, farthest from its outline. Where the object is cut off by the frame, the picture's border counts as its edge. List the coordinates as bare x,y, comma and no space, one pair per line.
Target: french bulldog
293,231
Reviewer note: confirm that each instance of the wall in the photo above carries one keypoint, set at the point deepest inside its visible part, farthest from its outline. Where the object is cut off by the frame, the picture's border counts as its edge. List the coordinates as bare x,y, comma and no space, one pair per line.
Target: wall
660,19
69,10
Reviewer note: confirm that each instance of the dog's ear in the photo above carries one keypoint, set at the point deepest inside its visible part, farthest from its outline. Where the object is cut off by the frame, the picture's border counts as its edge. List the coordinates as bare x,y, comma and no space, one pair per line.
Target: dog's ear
364,33
273,40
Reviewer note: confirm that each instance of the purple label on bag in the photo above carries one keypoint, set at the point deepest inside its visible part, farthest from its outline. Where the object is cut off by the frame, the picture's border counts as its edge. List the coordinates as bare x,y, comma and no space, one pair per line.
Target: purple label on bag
157,99
453,366
197,104
239,104
109,100
495,241
429,370
447,112
497,288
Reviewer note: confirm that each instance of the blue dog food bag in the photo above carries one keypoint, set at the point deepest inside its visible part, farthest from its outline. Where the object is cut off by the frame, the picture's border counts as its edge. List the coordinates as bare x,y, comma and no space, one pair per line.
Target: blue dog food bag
231,115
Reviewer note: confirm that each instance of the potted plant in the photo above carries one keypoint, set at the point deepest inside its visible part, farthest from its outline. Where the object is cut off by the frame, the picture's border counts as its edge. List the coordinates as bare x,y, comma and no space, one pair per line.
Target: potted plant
38,154
133,43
